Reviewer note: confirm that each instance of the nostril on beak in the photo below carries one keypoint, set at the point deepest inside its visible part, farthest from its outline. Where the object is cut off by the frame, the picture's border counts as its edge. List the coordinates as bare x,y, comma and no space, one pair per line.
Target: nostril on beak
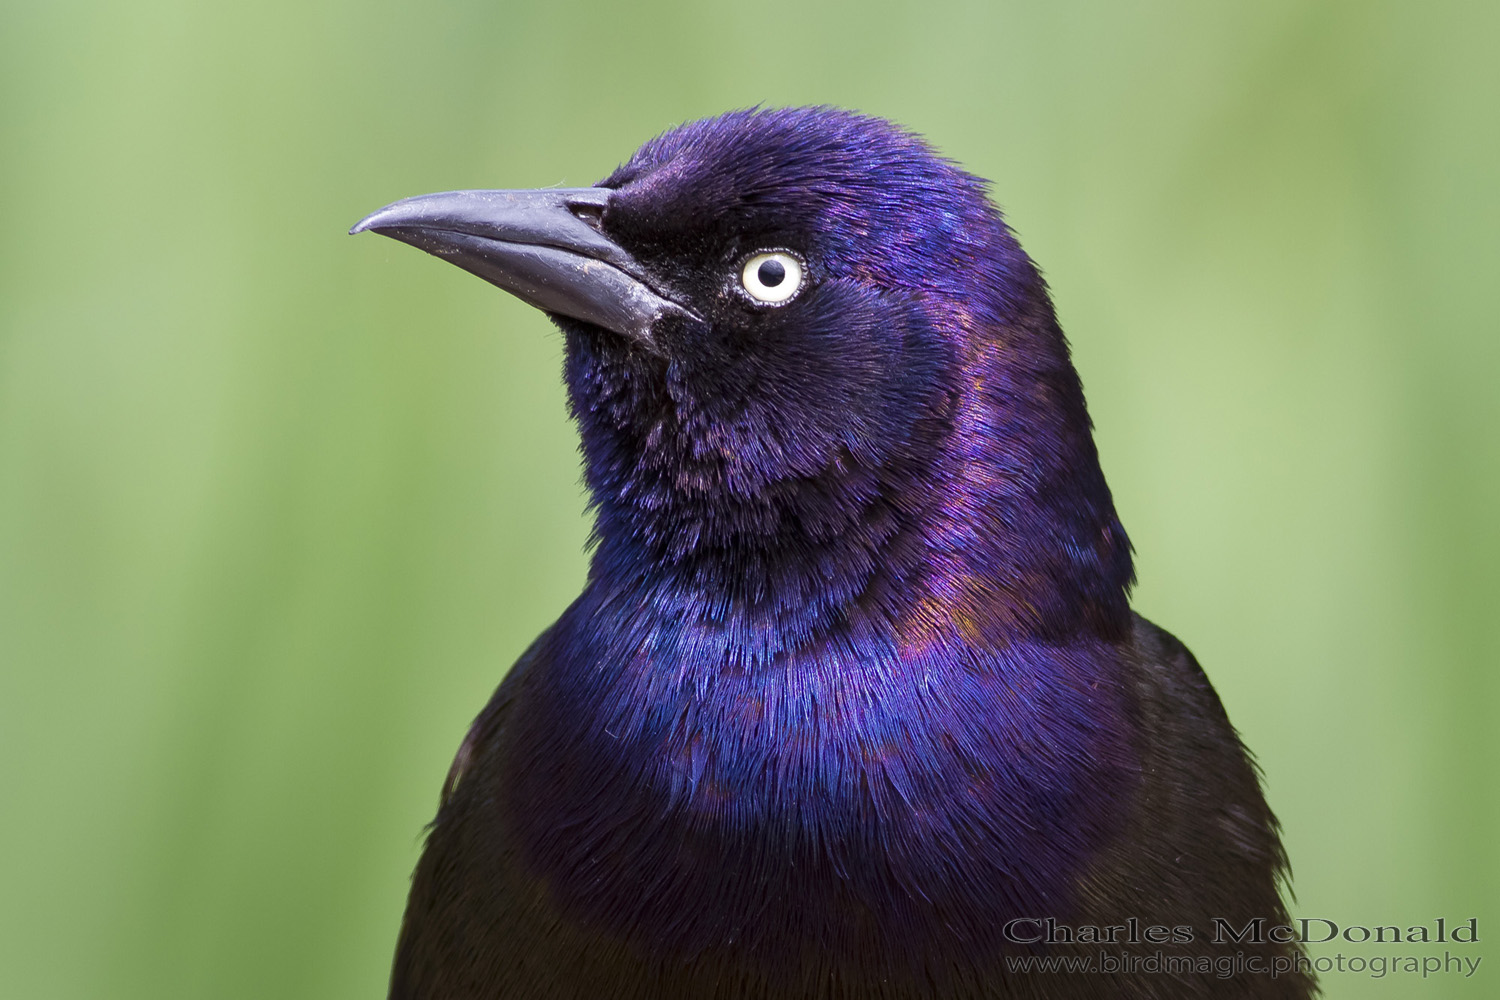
591,215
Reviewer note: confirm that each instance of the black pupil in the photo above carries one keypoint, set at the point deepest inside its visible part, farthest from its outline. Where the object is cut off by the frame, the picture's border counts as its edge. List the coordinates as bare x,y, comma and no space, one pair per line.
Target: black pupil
771,273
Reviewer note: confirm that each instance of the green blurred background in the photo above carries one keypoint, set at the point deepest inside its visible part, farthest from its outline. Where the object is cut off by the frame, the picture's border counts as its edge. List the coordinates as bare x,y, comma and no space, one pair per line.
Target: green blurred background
278,507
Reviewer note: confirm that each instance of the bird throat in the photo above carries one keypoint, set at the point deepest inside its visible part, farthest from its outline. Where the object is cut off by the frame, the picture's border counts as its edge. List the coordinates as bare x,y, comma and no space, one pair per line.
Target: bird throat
985,540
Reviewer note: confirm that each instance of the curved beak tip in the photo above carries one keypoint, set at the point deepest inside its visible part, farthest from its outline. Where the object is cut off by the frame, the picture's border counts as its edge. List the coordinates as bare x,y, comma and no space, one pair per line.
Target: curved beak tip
367,223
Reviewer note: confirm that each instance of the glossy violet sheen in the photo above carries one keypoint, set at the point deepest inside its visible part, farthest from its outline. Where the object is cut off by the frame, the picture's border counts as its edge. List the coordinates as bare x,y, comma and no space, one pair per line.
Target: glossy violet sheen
845,670
853,682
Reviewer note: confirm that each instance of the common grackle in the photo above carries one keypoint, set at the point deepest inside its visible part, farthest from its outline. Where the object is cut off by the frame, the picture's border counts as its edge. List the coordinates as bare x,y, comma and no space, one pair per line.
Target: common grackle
853,704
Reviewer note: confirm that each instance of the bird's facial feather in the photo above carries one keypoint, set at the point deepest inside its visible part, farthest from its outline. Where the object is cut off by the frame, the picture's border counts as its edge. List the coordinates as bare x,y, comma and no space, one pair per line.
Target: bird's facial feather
762,392
854,194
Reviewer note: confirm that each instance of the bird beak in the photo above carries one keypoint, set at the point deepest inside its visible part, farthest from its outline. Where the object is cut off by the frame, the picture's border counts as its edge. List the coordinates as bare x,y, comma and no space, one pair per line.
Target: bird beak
540,247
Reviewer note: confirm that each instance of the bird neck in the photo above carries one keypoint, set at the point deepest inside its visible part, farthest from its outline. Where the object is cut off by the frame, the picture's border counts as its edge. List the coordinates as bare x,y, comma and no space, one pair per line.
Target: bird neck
996,527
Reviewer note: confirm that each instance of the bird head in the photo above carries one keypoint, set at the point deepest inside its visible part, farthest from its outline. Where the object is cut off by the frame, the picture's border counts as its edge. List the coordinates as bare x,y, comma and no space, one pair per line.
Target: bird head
812,370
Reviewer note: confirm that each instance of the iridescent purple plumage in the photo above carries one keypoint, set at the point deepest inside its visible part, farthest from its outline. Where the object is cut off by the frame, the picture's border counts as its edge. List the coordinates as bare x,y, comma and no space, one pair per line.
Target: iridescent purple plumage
854,683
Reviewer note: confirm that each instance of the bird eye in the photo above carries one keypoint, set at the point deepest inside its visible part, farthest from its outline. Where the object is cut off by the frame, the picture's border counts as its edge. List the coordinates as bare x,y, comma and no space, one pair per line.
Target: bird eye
772,277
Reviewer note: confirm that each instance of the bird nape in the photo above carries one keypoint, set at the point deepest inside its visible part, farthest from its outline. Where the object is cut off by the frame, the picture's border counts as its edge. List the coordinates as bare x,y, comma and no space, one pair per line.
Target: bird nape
853,704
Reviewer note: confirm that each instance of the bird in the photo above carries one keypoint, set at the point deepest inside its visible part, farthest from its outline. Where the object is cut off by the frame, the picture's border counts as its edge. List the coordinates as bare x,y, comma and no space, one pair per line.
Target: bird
853,703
